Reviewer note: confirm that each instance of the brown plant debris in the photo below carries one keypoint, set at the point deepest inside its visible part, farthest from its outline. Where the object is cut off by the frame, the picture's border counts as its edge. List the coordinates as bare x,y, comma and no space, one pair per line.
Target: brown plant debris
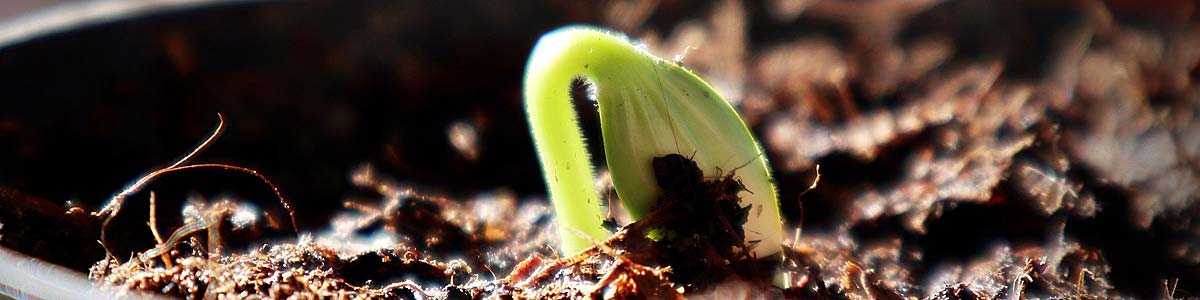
1083,111
699,247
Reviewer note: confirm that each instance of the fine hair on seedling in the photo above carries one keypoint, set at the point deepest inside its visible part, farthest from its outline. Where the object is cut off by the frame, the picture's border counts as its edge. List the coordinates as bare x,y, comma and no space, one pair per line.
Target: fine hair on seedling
648,107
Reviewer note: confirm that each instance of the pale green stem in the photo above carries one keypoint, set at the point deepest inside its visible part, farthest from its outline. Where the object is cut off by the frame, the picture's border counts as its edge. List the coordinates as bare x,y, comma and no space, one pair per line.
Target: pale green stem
648,108
566,165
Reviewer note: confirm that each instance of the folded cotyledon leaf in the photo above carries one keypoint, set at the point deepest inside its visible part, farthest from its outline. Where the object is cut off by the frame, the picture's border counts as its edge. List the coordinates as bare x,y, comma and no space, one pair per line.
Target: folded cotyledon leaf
649,107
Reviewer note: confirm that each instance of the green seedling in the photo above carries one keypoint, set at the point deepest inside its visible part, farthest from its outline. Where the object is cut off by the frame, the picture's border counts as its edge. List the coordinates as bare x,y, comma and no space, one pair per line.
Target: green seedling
649,107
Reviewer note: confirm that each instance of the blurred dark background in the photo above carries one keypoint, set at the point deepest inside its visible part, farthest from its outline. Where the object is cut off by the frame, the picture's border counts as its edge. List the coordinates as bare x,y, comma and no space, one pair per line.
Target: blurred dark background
309,91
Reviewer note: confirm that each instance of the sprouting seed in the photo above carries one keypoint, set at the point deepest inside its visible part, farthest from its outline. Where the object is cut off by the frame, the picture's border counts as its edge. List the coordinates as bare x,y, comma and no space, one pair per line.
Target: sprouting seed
649,107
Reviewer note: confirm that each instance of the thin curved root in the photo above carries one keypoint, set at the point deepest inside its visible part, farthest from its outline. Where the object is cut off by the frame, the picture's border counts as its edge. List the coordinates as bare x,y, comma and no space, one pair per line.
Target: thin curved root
113,207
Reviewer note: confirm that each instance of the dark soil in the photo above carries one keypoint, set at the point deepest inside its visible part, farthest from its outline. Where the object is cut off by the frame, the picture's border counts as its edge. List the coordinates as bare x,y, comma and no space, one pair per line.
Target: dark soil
967,150
701,245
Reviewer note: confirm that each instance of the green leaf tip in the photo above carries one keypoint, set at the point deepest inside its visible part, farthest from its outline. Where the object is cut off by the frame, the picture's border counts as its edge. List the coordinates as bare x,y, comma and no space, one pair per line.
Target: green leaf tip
649,107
